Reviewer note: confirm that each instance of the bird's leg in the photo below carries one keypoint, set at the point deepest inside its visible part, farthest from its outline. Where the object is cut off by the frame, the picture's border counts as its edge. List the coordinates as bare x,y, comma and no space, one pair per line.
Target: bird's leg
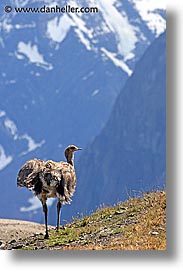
45,210
58,214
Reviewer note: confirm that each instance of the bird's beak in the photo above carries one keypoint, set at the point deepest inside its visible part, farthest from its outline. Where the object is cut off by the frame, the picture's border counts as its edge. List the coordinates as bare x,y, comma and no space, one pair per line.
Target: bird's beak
79,148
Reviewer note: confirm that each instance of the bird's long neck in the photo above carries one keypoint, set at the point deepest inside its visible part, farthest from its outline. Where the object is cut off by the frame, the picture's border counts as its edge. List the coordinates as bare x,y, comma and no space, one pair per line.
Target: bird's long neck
70,158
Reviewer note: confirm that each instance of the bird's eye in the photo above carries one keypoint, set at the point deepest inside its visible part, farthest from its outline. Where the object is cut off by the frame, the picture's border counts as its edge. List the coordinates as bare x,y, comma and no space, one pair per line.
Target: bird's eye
72,148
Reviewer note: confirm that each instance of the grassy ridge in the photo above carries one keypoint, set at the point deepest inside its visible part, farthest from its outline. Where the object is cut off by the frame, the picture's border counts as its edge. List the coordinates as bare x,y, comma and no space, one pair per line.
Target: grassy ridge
137,224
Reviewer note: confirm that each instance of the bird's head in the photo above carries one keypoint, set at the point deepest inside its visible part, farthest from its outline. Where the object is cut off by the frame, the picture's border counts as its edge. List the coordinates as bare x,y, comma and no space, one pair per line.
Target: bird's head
69,153
72,148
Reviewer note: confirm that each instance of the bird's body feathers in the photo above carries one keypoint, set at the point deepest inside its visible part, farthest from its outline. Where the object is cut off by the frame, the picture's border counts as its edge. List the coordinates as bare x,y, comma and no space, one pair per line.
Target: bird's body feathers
48,179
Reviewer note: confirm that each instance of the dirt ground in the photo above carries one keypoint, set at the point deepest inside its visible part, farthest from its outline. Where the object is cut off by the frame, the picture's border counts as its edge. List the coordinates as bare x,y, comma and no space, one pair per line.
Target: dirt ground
13,230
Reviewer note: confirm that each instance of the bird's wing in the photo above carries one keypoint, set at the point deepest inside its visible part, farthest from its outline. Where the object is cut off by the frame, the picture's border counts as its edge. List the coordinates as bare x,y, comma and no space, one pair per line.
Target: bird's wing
29,173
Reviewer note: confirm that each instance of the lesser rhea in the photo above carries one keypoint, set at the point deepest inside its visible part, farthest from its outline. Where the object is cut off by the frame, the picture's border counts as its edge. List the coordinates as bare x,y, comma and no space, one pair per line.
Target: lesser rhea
49,179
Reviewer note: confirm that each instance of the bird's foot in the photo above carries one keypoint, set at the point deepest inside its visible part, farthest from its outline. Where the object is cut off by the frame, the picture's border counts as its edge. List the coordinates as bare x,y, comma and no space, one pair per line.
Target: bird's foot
46,236
60,227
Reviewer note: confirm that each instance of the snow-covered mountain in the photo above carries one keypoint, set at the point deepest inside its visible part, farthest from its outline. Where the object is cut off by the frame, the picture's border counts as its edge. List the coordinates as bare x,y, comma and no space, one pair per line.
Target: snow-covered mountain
60,75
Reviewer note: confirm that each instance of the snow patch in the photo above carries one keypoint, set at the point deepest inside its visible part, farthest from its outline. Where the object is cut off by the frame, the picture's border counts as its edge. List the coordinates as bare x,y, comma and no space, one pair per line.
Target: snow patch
24,26
83,39
32,53
81,25
118,24
32,145
118,62
35,204
95,92
57,29
2,113
4,159
80,29
148,10
11,127
6,26
88,75
129,57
